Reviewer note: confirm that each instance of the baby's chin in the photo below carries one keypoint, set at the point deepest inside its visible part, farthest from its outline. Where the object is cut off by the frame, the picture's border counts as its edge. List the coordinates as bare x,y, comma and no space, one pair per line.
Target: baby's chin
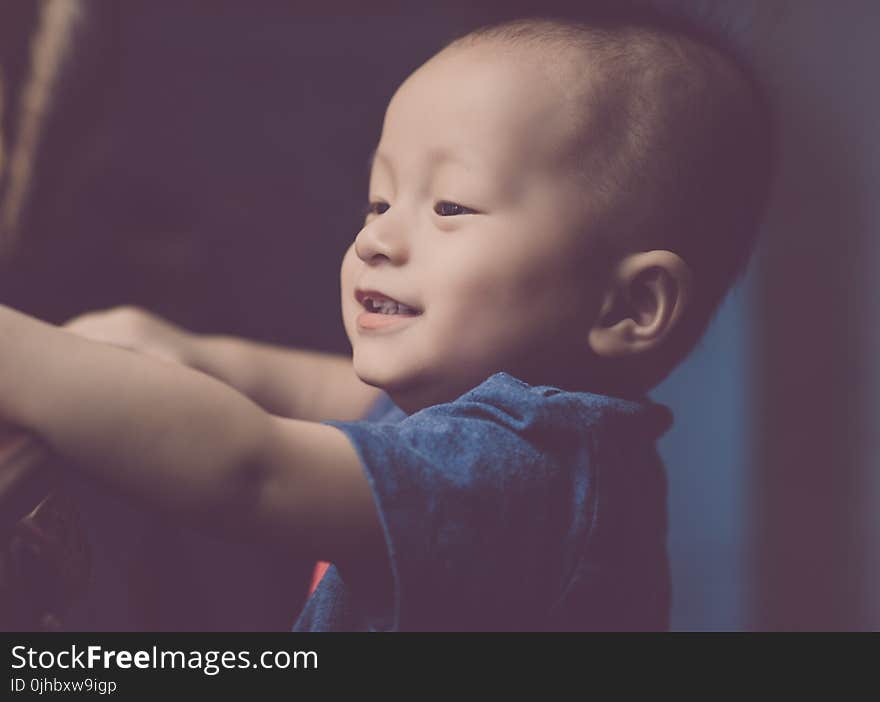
379,372
410,388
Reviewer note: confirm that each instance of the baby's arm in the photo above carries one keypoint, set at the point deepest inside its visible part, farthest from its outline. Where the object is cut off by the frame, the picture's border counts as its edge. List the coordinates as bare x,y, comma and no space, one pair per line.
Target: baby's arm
296,383
288,382
187,443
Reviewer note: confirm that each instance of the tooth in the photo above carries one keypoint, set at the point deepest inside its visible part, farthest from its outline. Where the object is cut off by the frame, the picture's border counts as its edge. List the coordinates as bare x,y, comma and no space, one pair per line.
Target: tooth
382,305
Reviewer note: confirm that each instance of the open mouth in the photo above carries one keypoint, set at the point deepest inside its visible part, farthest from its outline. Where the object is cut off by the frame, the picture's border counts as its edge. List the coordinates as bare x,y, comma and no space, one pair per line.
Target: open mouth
378,303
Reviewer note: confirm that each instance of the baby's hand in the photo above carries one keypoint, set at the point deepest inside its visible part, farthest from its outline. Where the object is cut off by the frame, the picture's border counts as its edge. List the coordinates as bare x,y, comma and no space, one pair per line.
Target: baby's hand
136,329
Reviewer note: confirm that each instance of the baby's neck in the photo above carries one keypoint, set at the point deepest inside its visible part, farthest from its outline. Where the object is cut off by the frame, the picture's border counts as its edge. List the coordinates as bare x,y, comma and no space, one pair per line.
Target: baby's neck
581,377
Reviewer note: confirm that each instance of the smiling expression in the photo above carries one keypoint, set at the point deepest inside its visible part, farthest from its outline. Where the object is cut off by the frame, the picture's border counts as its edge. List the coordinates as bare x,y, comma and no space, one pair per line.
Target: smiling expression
475,253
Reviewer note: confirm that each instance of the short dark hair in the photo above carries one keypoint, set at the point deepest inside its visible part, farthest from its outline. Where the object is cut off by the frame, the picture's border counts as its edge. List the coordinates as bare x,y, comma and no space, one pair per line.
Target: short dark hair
685,158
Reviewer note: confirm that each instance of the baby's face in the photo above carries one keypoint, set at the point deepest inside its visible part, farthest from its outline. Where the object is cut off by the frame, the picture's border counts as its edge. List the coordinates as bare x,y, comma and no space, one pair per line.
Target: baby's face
475,256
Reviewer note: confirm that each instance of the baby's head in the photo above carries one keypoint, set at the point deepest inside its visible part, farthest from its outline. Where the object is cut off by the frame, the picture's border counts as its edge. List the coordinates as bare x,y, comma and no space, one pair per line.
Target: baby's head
567,203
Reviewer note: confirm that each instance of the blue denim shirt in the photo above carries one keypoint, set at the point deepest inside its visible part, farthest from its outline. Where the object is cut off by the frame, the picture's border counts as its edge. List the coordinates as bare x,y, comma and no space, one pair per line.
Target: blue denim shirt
512,508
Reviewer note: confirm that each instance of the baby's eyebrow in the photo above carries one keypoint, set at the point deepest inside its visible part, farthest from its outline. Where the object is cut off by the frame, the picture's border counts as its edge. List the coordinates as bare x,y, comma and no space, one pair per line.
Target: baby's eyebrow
375,155
371,161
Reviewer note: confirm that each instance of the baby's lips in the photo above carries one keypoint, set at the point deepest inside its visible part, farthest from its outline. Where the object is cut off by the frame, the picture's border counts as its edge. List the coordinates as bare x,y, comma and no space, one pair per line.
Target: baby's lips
363,294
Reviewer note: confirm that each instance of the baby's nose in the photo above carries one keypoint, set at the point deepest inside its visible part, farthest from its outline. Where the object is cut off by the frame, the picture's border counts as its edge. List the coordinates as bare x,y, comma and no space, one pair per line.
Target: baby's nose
382,239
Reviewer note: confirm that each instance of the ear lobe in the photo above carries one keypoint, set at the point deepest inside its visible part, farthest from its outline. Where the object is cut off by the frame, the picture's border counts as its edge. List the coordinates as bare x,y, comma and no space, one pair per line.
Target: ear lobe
646,298
613,327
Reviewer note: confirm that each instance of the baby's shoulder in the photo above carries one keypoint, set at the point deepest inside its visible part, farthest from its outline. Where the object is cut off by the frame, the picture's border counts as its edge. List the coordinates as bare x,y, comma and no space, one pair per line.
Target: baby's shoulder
506,402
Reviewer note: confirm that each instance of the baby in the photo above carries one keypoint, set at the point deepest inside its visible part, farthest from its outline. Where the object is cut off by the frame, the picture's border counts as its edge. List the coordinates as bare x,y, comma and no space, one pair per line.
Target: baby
555,210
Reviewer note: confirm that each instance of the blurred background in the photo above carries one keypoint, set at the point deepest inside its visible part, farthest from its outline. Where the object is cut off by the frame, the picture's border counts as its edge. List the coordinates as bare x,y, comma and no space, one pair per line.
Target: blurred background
207,161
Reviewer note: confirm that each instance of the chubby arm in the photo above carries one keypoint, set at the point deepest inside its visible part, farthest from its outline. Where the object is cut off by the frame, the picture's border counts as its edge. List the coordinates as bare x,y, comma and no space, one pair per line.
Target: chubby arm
296,383
287,382
187,444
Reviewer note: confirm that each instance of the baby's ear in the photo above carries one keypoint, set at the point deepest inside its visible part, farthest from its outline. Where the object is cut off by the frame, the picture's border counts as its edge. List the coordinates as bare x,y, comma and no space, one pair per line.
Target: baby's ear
646,298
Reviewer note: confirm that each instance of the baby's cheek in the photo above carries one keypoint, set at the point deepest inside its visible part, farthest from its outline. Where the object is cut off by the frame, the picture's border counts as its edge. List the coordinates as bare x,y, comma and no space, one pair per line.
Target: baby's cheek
349,263
476,279
347,279
476,332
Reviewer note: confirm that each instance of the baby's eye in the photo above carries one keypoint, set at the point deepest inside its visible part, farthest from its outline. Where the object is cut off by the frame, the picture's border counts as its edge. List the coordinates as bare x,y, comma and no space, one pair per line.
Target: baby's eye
450,209
376,208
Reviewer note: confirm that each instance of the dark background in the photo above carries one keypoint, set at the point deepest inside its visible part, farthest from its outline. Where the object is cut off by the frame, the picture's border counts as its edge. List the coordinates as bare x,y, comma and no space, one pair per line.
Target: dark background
207,160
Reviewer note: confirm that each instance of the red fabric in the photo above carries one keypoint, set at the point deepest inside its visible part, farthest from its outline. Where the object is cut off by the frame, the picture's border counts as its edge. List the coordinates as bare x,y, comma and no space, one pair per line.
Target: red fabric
320,568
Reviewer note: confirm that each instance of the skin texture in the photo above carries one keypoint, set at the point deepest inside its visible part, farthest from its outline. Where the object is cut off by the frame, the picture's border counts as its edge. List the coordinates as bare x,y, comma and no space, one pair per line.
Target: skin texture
293,383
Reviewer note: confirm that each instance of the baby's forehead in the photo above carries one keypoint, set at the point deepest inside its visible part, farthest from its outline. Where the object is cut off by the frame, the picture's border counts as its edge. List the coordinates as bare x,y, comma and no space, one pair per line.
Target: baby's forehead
572,71
615,93
597,71
500,91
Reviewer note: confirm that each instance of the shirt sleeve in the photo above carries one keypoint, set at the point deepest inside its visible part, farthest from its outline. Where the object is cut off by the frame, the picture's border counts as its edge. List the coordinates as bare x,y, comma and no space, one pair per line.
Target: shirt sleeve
477,502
